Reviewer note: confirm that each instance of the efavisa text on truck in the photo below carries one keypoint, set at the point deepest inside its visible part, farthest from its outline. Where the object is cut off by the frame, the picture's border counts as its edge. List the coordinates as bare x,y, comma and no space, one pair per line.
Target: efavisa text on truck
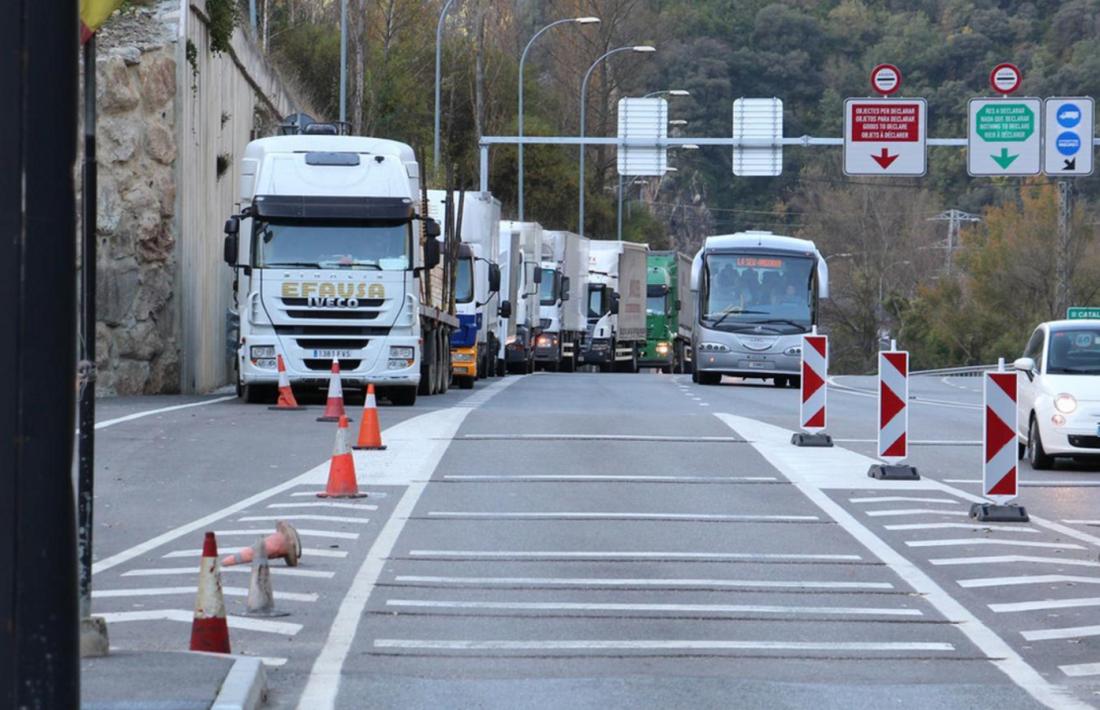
335,258
757,293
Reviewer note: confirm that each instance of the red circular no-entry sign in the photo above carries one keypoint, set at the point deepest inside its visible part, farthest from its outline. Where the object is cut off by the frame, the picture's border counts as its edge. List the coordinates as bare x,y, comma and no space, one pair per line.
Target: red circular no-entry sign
885,79
1005,78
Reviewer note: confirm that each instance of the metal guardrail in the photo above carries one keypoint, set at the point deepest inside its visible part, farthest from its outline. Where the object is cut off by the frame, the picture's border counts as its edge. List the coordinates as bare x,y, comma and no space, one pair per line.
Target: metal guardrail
967,371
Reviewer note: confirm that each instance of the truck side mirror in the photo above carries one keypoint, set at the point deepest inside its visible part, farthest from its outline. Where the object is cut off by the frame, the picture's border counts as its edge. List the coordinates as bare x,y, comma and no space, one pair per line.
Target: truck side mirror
679,305
494,278
538,276
431,250
431,228
614,303
565,288
505,310
233,225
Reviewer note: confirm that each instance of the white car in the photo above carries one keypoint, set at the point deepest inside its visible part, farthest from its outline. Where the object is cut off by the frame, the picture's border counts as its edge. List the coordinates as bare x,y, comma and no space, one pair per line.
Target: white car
1058,393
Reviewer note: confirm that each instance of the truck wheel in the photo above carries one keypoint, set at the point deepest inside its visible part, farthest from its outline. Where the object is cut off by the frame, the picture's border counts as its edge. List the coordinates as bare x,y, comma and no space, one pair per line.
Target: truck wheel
427,365
465,383
695,376
401,396
258,394
667,369
569,364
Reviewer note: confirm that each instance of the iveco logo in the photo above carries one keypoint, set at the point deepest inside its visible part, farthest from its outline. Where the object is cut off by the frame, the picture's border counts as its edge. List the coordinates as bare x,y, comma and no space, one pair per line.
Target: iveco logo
319,302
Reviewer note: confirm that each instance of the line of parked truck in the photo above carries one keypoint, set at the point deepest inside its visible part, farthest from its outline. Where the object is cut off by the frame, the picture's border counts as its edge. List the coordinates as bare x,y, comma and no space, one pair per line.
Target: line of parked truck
338,253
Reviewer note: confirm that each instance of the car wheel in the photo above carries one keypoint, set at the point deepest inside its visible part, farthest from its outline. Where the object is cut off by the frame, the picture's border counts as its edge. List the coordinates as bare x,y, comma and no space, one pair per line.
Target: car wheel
1036,455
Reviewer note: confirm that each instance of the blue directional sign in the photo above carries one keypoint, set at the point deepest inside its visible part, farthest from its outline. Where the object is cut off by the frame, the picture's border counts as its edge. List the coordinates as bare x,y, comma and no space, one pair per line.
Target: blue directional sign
1068,125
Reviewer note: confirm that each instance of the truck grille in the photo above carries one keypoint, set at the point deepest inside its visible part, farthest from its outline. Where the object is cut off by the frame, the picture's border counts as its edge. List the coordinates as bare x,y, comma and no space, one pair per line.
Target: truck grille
331,344
368,309
330,331
326,365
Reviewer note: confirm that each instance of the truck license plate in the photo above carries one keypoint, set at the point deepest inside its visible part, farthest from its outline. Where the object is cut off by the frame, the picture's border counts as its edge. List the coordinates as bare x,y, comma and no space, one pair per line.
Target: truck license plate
328,354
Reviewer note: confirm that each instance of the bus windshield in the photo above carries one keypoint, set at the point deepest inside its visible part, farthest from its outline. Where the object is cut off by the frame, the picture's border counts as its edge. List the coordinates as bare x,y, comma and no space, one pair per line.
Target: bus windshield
759,292
331,245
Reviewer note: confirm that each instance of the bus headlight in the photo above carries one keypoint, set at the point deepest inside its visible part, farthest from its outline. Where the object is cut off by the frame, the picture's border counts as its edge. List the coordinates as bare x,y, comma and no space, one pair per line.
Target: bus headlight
793,351
714,348
1064,403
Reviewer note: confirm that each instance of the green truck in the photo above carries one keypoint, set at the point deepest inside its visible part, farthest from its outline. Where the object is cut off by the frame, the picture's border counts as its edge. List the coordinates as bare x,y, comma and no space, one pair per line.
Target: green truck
668,312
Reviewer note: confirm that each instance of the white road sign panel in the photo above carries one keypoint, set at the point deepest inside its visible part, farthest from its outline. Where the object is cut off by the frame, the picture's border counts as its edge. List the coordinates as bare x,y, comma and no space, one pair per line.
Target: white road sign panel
885,136
1068,125
762,120
643,118
1004,137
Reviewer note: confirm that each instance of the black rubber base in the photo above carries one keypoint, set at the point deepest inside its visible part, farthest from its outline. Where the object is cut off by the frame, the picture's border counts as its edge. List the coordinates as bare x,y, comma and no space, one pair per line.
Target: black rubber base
819,440
286,409
333,419
893,472
990,513
357,495
369,448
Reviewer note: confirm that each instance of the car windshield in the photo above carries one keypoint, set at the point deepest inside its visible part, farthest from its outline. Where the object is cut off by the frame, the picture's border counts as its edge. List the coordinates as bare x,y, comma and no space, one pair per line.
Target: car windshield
464,280
774,293
332,245
1074,351
548,294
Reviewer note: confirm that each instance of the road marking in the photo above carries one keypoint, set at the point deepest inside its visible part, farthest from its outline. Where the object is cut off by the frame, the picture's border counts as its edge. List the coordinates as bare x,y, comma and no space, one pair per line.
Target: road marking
1072,632
521,478
599,437
672,608
307,551
432,434
962,480
1014,559
902,499
286,571
812,470
673,556
313,494
162,410
988,541
982,582
1080,670
964,526
695,517
321,518
913,511
325,504
1082,522
648,582
246,623
168,591
917,442
1045,604
301,531
657,645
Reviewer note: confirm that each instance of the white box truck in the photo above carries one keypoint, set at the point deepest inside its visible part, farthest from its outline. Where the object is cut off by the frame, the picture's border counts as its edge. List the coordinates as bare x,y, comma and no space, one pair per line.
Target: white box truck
476,341
616,304
562,315
334,258
520,276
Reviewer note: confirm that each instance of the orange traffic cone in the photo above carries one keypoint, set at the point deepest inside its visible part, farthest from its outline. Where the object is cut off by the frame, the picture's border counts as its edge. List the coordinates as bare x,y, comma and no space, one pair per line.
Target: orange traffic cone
370,436
334,407
284,542
286,402
341,472
209,630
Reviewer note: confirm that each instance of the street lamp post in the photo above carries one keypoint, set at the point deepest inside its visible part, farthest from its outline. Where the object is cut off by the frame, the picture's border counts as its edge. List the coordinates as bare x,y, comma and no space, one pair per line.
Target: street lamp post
343,60
641,49
650,95
438,63
522,59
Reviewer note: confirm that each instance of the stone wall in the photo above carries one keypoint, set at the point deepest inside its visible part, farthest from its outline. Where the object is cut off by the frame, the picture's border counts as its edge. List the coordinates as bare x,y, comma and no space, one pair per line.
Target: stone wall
170,116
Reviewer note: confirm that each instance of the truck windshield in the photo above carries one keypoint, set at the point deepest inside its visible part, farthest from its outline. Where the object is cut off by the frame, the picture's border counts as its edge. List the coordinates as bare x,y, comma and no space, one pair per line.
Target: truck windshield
331,245
1074,351
464,280
656,303
596,306
759,292
548,289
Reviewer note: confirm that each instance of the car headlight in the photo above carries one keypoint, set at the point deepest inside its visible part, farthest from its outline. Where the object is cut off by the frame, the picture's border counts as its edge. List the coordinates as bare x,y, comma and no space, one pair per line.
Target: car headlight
714,348
262,351
1065,403
404,352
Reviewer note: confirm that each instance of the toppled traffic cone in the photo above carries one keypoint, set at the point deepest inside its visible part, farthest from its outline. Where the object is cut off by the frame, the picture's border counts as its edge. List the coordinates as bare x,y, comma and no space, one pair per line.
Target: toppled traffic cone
341,471
209,630
370,436
287,402
284,543
334,406
261,599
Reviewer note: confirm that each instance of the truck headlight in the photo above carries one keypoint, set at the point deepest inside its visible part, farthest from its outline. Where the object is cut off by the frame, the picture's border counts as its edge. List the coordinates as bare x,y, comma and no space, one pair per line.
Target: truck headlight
265,363
462,357
262,351
404,352
662,348
1065,403
398,364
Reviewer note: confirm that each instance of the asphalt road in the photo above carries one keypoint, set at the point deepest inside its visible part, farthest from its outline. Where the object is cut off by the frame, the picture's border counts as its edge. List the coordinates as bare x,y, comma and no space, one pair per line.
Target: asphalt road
585,540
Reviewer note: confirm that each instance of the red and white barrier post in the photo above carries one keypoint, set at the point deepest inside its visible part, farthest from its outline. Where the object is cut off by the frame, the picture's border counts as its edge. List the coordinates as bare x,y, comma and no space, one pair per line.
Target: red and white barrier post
1000,474
815,373
893,416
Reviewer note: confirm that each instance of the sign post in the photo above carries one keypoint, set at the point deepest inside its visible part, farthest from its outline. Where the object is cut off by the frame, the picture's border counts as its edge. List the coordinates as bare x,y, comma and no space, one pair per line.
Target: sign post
815,373
1068,124
893,417
1000,446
